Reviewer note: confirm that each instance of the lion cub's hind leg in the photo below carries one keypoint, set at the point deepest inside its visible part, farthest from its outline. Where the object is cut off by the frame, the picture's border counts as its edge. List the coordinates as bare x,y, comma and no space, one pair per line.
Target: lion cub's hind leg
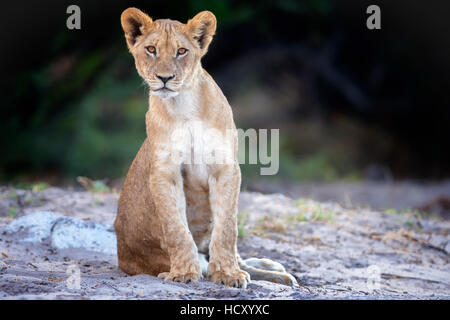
268,270
265,264
150,260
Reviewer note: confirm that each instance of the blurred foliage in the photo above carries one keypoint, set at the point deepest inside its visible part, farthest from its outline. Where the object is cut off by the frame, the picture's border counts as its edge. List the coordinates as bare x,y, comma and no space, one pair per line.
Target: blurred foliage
76,105
95,135
110,125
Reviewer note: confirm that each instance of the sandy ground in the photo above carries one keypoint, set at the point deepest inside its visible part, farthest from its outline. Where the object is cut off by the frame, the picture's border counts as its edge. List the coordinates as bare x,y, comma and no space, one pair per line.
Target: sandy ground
334,250
400,195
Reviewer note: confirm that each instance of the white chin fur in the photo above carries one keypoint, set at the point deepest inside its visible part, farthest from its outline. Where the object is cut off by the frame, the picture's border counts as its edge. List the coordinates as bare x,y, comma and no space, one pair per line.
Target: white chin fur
165,94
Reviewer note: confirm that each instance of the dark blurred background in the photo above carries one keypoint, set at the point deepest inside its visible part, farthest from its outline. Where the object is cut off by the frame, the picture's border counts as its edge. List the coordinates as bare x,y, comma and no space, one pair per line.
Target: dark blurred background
351,104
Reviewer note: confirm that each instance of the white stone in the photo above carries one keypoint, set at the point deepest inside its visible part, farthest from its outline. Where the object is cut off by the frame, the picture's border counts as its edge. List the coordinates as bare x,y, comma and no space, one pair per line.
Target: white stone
64,232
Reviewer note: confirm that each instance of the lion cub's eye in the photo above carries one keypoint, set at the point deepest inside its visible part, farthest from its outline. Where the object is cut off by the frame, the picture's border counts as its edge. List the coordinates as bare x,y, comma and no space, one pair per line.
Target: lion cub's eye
181,51
151,49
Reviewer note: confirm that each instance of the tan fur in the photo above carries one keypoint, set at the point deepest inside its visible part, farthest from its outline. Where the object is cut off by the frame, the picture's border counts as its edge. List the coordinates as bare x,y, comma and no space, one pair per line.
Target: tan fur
168,213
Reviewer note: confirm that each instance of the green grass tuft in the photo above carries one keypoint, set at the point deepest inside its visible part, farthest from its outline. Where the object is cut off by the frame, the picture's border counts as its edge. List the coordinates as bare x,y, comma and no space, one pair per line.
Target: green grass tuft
242,221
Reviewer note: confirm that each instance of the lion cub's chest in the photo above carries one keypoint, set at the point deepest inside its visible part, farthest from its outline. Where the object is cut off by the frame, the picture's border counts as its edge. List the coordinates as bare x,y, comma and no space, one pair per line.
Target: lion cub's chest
200,150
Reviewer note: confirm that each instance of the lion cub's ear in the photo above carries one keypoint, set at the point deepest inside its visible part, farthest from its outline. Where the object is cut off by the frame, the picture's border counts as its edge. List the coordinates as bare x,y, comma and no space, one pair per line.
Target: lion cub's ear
202,28
135,23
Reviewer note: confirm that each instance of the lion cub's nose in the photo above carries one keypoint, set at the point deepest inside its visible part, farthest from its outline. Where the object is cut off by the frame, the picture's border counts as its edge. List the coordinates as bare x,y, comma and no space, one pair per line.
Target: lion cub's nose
164,79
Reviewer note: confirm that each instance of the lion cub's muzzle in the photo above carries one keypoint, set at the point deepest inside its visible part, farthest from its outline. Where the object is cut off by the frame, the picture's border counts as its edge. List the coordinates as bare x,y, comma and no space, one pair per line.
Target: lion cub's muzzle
165,78
166,86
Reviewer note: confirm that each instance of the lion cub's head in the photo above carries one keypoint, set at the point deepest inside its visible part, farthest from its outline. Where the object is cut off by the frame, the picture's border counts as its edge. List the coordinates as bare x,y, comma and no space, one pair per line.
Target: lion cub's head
167,53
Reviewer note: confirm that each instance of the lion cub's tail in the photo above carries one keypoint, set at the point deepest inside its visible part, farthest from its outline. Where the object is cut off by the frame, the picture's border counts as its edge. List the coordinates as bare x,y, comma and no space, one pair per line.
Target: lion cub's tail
266,269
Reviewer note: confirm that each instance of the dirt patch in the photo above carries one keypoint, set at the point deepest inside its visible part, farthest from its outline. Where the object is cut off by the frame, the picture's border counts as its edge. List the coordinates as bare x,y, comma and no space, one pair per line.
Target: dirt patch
334,252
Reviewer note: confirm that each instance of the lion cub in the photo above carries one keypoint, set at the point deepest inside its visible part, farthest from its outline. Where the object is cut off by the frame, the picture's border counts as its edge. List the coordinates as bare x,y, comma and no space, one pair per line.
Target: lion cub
174,213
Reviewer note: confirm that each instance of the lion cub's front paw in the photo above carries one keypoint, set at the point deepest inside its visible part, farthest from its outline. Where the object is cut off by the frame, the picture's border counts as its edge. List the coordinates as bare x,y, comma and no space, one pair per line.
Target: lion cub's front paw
237,279
187,274
180,277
